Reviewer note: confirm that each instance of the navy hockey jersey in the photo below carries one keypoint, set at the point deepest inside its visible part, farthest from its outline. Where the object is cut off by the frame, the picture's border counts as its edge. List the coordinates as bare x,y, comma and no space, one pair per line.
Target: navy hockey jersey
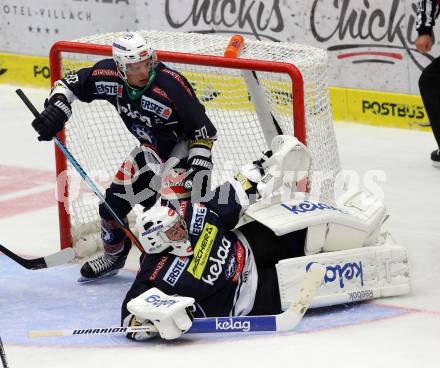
220,275
167,111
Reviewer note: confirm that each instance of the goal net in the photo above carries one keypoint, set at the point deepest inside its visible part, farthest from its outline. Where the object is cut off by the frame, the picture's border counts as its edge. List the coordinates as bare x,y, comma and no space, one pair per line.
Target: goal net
291,98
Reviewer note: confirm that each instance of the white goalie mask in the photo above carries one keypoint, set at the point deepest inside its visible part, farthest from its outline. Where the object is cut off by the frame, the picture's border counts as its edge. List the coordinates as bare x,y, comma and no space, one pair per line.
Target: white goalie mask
161,228
131,48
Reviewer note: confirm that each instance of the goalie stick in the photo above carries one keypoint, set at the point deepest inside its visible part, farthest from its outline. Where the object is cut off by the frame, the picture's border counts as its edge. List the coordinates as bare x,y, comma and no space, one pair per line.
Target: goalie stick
285,321
84,175
52,260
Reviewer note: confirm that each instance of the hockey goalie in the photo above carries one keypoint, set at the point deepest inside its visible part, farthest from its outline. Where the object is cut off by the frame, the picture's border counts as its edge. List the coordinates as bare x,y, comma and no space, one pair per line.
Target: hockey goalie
244,249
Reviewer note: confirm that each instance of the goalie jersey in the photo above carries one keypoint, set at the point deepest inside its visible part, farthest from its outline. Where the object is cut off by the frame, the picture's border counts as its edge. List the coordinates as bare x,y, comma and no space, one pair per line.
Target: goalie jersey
220,274
165,111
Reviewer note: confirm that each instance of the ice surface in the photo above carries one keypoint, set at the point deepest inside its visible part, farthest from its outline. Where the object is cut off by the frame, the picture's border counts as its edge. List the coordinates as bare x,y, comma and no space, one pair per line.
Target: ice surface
395,332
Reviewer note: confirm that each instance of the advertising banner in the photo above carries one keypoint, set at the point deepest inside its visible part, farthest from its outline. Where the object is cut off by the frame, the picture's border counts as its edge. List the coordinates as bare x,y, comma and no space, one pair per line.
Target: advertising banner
31,27
371,43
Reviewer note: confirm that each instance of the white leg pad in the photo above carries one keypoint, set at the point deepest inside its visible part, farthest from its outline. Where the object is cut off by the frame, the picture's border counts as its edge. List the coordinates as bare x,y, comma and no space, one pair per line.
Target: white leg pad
329,228
352,275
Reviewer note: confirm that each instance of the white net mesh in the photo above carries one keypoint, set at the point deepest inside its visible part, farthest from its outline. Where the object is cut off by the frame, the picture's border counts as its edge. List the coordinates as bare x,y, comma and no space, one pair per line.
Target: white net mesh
100,142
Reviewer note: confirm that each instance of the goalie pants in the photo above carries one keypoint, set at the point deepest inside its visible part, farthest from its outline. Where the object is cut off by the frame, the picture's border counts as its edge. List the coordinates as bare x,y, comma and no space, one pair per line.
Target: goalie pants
268,249
429,85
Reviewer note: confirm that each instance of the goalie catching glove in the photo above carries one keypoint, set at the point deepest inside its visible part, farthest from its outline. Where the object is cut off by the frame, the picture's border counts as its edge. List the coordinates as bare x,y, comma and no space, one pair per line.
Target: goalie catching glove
170,314
285,164
52,119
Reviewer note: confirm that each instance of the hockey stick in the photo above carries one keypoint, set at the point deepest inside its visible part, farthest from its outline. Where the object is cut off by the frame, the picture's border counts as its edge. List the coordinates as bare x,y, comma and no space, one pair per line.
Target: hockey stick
84,175
268,123
52,260
285,321
3,355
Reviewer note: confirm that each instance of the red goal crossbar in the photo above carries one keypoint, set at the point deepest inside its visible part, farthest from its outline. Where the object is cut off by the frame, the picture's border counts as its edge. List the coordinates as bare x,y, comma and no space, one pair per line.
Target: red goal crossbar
299,129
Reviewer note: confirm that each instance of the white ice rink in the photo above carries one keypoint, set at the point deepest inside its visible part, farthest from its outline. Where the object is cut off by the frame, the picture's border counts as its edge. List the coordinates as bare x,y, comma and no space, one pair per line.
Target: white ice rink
395,332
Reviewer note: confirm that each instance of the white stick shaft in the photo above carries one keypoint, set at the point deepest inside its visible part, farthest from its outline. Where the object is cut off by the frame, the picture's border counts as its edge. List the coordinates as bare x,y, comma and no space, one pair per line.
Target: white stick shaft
262,109
292,316
282,322
90,331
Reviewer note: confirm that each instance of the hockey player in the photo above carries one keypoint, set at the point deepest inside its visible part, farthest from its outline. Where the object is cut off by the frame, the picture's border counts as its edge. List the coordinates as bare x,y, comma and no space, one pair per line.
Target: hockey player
196,260
159,107
427,12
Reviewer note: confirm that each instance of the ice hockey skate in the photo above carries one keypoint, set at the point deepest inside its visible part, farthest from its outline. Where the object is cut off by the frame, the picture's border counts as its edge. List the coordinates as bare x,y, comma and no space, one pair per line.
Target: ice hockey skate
103,266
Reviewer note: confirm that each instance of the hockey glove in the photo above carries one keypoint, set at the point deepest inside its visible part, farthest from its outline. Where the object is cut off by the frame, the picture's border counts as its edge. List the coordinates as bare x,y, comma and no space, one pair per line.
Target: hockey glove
251,174
138,336
170,314
196,165
57,111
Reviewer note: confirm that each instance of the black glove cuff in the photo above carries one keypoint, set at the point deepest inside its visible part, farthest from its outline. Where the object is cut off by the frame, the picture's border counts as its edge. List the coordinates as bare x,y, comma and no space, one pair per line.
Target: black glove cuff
56,97
201,162
65,108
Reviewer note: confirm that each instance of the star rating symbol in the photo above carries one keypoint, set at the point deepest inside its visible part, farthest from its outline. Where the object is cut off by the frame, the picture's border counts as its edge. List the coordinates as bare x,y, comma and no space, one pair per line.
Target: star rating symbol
42,30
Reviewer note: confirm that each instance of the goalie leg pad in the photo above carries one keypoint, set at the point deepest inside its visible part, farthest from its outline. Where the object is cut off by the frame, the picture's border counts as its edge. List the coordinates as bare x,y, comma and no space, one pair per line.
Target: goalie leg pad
329,228
351,275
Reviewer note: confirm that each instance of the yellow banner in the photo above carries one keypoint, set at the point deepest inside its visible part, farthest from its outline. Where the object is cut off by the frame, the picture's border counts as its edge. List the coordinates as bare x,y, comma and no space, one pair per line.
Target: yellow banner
24,70
385,109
